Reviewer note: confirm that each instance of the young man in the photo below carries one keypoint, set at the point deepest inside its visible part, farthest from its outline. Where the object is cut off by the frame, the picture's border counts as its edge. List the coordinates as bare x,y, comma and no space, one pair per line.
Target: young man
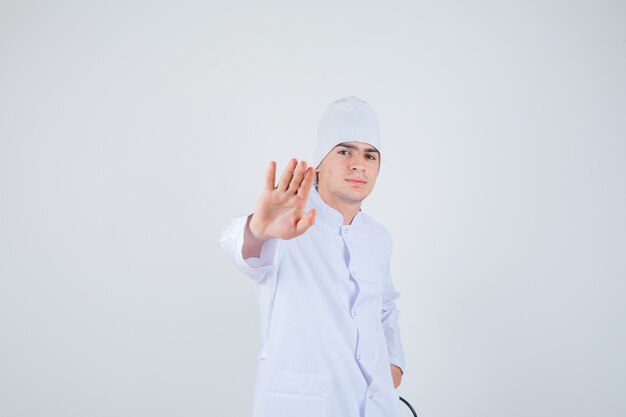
329,324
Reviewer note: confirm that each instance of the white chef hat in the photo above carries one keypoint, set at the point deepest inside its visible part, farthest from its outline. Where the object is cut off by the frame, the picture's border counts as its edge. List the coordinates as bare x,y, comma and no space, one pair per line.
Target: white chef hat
345,120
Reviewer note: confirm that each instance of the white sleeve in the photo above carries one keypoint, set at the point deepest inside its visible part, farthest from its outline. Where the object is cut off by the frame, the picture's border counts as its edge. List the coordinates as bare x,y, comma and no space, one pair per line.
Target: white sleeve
389,320
231,241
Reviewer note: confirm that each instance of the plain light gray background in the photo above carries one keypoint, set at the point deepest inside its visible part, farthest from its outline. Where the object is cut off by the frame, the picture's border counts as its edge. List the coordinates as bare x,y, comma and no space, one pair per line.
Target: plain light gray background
131,131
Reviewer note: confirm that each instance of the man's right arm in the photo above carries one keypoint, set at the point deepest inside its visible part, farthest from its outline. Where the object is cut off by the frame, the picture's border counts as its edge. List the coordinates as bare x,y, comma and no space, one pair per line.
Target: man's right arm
232,242
251,244
279,214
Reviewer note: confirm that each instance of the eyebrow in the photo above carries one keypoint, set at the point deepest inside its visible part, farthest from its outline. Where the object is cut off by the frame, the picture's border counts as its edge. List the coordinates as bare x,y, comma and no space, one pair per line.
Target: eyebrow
356,148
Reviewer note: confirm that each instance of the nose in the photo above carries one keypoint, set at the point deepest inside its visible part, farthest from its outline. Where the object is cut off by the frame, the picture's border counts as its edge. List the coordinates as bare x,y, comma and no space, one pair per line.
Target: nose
356,164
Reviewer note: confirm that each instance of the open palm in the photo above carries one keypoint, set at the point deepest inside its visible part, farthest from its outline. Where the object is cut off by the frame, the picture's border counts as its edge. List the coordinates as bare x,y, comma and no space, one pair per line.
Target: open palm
280,209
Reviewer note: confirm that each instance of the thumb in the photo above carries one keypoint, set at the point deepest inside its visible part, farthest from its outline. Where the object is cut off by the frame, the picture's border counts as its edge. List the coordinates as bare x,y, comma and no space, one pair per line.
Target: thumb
305,222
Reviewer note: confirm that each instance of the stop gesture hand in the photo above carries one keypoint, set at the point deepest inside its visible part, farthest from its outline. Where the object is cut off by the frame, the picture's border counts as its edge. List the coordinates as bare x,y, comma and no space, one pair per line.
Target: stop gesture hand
279,212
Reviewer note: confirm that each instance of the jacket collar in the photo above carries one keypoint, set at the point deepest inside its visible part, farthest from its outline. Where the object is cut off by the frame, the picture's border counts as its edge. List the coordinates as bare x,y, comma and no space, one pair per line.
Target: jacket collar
330,216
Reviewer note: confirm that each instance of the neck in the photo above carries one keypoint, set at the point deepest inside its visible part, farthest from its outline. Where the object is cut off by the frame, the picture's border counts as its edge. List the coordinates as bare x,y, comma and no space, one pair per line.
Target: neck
348,209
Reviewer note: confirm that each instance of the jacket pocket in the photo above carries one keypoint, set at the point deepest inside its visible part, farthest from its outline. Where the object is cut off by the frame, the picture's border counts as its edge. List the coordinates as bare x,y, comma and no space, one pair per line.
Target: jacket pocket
295,395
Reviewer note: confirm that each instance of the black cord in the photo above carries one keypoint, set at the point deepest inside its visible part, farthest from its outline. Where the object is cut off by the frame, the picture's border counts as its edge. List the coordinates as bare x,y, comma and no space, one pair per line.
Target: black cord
409,405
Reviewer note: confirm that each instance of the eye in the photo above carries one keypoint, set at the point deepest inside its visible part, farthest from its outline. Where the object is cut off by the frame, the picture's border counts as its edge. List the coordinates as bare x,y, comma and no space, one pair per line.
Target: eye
343,152
371,157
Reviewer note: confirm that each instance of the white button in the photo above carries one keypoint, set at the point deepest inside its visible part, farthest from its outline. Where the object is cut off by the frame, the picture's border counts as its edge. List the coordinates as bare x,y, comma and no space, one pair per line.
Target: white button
358,357
354,272
371,396
353,313
345,230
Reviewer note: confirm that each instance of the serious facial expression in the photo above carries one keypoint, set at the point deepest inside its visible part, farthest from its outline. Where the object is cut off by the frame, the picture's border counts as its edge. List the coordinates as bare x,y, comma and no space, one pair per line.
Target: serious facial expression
349,172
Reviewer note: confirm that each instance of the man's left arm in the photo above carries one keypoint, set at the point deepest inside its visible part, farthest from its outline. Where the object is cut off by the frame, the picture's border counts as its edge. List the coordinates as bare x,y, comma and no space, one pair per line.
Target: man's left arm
389,319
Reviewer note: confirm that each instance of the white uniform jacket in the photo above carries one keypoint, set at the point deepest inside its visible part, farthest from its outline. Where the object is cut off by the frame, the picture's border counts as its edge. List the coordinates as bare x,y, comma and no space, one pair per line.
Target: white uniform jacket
329,324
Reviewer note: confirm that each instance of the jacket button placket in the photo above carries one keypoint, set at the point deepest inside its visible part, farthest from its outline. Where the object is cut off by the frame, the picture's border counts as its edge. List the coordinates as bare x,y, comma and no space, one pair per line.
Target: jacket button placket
353,312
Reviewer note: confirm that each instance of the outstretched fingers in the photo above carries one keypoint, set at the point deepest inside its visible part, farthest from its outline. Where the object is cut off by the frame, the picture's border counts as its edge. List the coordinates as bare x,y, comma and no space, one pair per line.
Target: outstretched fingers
287,174
270,176
306,184
298,175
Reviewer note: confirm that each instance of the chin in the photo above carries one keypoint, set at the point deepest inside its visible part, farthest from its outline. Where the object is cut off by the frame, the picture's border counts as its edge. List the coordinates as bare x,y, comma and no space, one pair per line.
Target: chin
355,196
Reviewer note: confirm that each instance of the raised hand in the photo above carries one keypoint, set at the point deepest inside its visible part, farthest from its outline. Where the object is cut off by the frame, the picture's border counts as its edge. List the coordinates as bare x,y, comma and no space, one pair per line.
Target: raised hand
279,212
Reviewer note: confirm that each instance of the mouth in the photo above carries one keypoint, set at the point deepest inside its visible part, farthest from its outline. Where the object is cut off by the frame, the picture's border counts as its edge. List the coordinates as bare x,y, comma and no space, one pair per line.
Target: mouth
356,181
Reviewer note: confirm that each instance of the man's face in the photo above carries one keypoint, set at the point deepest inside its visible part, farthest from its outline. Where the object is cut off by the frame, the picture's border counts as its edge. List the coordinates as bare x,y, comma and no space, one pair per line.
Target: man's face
348,173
